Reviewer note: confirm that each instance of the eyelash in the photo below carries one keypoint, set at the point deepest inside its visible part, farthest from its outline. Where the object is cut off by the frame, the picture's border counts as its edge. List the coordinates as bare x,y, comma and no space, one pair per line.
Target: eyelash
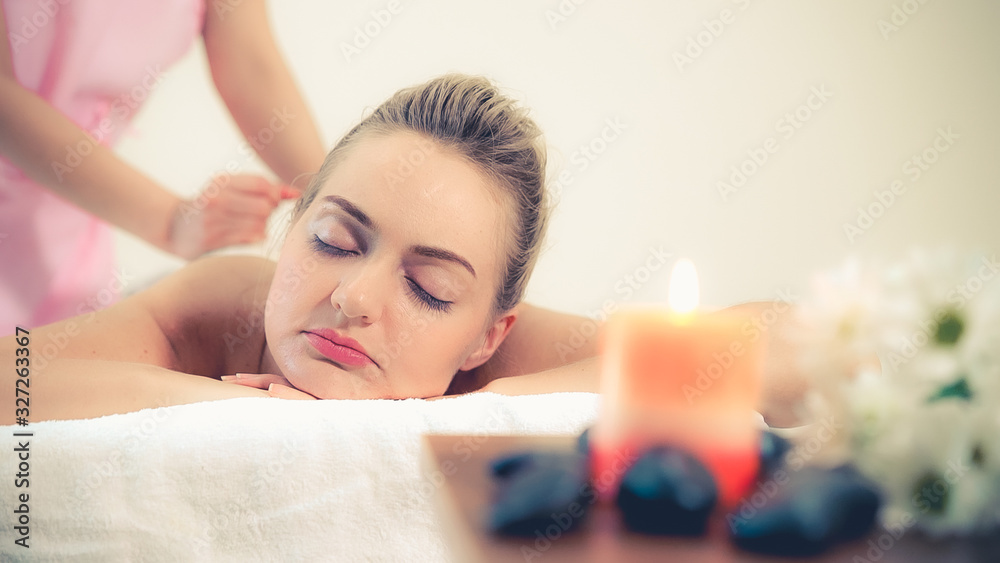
420,294
426,299
320,246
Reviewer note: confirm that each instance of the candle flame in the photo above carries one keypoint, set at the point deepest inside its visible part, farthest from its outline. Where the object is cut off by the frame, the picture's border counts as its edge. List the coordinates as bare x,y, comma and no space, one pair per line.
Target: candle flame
683,295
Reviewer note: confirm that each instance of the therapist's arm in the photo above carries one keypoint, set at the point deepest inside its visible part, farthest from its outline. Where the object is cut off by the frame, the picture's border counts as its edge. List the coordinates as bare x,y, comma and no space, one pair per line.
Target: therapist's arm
56,153
37,138
257,87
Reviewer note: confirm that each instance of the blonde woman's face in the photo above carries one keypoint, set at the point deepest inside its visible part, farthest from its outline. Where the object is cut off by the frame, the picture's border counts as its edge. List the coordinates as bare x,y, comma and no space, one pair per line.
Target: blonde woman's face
386,282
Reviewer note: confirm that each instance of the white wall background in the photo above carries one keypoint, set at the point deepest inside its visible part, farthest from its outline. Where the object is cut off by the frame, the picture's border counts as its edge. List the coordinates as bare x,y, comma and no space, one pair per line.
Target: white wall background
685,126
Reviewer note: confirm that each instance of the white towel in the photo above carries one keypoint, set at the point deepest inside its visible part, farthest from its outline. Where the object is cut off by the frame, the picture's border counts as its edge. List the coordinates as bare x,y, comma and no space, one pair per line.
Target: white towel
254,479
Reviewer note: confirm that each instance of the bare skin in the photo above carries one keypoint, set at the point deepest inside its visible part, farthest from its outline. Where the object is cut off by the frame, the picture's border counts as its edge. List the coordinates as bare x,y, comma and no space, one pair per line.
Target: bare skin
405,269
171,345
154,355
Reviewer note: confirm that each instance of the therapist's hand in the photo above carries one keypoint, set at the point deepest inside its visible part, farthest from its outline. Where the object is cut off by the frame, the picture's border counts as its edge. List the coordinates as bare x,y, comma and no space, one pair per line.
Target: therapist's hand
276,385
233,209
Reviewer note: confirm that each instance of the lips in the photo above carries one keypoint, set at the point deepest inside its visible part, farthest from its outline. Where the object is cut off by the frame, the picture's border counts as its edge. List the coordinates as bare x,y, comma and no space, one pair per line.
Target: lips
337,348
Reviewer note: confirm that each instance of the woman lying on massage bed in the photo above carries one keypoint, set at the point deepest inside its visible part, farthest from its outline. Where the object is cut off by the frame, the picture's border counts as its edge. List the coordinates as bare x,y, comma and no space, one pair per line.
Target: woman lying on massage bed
401,276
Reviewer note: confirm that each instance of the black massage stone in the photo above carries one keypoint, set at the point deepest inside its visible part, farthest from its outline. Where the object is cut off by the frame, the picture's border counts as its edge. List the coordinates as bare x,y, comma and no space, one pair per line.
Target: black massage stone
537,489
773,449
583,442
815,509
667,492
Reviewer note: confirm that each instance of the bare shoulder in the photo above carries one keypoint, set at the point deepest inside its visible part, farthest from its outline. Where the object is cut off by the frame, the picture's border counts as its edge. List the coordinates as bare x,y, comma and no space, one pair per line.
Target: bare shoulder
220,276
212,312
540,340
206,318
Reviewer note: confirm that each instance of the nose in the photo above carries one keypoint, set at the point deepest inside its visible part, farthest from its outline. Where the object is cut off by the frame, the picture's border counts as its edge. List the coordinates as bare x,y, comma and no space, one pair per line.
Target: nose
357,295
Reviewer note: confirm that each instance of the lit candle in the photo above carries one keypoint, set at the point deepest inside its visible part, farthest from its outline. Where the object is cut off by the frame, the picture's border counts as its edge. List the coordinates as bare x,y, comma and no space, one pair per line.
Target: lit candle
674,376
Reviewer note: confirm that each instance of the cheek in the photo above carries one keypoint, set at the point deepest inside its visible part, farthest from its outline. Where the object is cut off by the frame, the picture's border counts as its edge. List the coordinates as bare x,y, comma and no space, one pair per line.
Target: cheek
426,356
284,300
278,298
291,278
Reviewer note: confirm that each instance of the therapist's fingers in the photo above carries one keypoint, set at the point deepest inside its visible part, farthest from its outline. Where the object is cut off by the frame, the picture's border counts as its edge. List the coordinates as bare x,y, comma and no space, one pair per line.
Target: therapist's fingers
258,186
285,392
231,210
235,230
238,205
254,185
237,209
248,194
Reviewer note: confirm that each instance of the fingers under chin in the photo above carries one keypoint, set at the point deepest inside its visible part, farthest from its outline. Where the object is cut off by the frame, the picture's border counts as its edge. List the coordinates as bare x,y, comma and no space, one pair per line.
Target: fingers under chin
284,392
257,380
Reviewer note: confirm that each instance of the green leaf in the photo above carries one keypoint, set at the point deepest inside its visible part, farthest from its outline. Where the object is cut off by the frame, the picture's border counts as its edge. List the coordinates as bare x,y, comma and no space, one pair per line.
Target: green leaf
949,328
928,494
978,458
958,390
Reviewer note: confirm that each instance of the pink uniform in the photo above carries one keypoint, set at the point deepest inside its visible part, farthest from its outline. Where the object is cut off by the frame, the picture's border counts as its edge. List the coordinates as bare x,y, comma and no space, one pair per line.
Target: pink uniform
95,62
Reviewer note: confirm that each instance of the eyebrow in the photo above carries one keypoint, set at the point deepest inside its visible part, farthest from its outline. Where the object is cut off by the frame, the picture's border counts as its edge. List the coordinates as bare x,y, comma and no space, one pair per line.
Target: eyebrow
427,251
352,210
442,254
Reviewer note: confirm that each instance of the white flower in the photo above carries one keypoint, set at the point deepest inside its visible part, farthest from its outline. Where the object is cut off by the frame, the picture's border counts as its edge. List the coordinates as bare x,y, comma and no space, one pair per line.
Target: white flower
925,424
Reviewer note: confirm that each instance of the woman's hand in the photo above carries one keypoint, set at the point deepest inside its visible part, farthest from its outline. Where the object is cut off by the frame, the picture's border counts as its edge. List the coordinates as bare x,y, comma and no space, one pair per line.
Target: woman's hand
276,385
231,210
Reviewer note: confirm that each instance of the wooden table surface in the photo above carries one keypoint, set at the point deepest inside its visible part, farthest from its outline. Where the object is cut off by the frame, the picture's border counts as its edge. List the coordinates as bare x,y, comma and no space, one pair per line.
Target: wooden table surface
459,468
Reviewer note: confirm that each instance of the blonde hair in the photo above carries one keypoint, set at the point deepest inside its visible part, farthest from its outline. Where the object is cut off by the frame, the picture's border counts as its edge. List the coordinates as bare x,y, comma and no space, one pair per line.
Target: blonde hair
469,115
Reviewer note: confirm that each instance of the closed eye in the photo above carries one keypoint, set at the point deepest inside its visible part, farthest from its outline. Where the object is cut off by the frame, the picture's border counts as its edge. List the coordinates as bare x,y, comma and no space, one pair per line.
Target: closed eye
421,295
426,299
320,246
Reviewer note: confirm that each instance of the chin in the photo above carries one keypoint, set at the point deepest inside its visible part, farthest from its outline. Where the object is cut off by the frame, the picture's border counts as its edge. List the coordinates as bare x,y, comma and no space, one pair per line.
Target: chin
326,381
